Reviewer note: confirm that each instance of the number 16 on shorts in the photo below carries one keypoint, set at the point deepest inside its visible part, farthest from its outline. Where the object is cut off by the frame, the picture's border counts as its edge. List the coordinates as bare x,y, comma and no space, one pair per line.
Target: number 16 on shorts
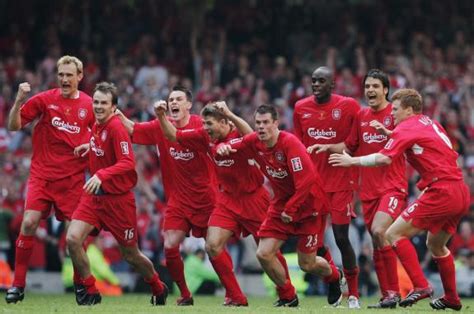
129,233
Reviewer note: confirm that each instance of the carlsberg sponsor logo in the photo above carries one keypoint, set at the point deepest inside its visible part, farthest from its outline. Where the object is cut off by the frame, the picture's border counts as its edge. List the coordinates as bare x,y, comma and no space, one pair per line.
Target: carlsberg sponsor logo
65,126
317,133
224,163
373,138
279,174
180,155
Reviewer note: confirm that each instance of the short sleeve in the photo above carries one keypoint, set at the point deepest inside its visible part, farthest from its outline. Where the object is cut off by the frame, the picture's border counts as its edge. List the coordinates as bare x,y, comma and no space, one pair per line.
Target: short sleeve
31,109
398,143
147,133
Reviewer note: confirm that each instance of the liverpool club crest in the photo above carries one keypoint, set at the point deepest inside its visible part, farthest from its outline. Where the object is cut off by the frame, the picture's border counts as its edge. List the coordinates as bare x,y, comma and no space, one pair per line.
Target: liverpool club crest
82,113
336,114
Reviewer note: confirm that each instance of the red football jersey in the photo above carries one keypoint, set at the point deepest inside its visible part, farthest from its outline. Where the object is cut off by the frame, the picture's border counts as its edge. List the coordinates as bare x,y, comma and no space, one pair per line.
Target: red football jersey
111,157
295,182
236,175
62,125
188,174
365,140
427,148
327,123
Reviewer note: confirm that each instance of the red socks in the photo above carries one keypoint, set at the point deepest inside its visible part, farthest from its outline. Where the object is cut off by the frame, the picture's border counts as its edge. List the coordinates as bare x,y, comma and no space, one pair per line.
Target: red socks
381,271
287,291
390,261
24,248
89,283
447,273
155,284
407,254
222,264
352,277
334,274
175,266
282,260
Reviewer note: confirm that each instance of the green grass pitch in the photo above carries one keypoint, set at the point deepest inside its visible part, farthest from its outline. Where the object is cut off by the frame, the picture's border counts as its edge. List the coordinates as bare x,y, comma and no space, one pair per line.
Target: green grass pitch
138,303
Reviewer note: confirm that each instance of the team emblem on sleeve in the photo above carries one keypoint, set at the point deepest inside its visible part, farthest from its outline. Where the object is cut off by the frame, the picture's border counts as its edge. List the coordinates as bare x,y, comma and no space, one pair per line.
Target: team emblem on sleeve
124,147
236,140
296,164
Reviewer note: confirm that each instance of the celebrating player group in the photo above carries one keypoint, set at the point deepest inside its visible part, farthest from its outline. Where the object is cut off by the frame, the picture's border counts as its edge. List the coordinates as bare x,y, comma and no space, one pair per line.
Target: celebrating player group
213,169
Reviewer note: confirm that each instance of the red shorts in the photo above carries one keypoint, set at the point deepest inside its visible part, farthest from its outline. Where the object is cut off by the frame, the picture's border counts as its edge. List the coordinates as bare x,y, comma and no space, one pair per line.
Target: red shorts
440,207
111,212
391,203
63,195
306,230
186,220
341,207
226,219
324,218
241,214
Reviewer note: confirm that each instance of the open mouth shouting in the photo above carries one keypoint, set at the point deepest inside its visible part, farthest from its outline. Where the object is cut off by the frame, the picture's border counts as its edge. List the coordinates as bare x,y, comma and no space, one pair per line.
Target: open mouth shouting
174,112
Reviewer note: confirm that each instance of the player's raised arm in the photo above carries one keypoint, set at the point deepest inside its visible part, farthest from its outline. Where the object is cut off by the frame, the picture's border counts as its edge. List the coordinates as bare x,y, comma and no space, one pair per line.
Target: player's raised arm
128,124
14,118
169,130
243,127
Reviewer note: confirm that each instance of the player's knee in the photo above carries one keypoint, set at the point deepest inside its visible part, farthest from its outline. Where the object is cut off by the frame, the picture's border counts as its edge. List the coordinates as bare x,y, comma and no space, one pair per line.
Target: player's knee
171,242
129,255
306,265
213,248
264,256
29,225
436,248
73,240
378,234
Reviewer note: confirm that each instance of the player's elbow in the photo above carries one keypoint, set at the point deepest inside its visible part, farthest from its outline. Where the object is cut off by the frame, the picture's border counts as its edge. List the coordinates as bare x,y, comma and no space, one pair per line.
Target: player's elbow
173,138
170,137
13,126
383,160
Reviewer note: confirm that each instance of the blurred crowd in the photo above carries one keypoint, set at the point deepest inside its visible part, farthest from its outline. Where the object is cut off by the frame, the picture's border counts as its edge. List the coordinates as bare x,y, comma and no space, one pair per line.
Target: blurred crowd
246,53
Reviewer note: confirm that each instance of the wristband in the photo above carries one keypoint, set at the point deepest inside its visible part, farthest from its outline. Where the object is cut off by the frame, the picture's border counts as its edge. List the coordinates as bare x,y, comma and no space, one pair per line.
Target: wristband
368,161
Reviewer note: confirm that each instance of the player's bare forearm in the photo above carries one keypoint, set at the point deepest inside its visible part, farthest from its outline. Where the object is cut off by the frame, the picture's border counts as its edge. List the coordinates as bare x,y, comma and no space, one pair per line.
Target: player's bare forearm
169,130
331,148
337,148
14,118
241,125
127,123
372,160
